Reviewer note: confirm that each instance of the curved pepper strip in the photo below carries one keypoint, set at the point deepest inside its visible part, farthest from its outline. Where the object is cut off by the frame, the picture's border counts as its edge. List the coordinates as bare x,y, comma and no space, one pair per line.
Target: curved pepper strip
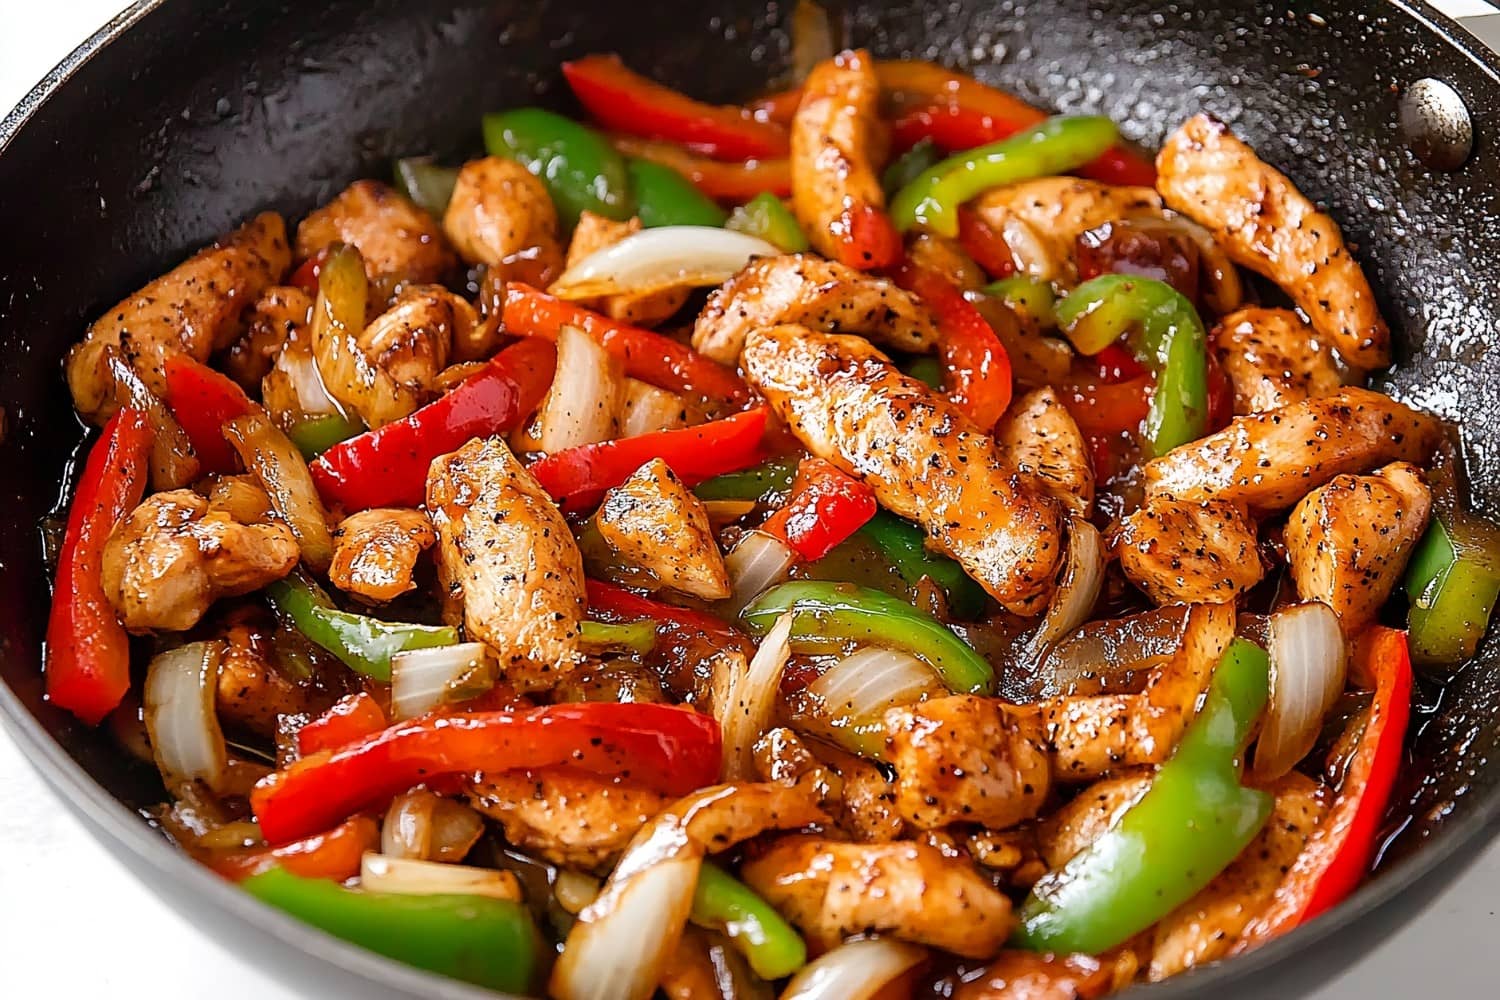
758,485
614,602
88,652
1452,588
672,749
203,401
903,544
426,184
720,181
976,368
581,170
478,939
825,507
724,903
767,217
352,717
1192,822
625,101
334,855
829,615
663,197
1165,335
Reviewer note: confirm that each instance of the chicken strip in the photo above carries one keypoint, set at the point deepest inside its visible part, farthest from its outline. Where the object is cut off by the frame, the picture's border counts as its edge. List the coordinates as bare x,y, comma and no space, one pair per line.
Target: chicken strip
1184,551
1088,815
507,562
399,242
810,291
1027,975
176,554
595,232
1348,542
375,552
848,404
1267,225
833,890
837,140
654,523
1273,359
195,308
1269,461
965,759
501,216
567,817
860,797
1043,442
279,315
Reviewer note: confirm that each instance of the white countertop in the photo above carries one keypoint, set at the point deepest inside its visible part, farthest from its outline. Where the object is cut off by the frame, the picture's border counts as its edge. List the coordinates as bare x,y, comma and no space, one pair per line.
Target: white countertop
71,916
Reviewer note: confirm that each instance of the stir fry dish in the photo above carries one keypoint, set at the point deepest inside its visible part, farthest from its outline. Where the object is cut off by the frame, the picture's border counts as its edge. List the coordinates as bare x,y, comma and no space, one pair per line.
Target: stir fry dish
876,540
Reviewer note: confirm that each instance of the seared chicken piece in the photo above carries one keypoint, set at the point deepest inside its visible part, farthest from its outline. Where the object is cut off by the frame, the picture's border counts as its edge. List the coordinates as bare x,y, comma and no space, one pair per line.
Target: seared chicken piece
1088,815
946,257
567,817
1184,551
176,554
617,681
833,890
810,291
279,315
1273,359
241,497
252,694
965,759
860,797
1269,461
501,216
1028,975
846,403
399,242
654,523
507,562
595,232
375,552
837,142
195,308
1043,442
1095,734
1267,225
1206,927
1348,542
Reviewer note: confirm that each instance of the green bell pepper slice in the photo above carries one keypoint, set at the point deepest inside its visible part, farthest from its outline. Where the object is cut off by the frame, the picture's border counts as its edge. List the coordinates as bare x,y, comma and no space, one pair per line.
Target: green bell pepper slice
826,615
316,435
1165,335
724,903
909,166
663,197
1055,146
1192,822
364,644
637,637
925,369
489,942
767,217
1032,296
581,170
903,544
1452,589
428,185
755,483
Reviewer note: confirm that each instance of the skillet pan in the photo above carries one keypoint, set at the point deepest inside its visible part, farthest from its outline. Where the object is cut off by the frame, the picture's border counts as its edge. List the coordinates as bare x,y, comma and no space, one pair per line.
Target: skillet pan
179,119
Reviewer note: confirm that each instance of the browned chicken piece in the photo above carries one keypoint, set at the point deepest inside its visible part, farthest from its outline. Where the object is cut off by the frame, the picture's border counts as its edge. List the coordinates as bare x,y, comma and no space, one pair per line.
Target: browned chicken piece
617,681
399,242
654,523
567,817
172,463
1186,551
1206,927
1013,853
195,308
595,232
507,563
860,797
279,315
705,966
849,405
1348,542
1273,359
932,252
837,142
831,890
1086,817
965,759
241,497
1258,215
1268,461
500,214
1036,358
810,291
375,552
1043,442
252,693
1092,735
1029,975
166,564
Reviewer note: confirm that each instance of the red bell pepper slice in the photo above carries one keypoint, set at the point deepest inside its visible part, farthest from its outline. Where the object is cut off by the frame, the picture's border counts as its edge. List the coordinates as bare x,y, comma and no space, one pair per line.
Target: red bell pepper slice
986,246
1220,396
672,749
352,717
976,367
624,101
578,477
780,107
203,401
736,182
1339,852
335,854
825,507
305,276
88,652
1105,409
648,355
1117,364
388,466
610,602
866,238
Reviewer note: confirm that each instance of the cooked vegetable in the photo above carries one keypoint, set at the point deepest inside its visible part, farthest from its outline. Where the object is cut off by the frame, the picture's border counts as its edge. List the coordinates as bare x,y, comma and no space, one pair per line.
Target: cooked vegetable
663,197
824,509
352,717
283,474
411,877
1308,661
178,698
584,402
766,217
720,181
674,256
423,678
976,367
903,544
426,183
745,703
855,970
848,701
1452,582
578,165
722,902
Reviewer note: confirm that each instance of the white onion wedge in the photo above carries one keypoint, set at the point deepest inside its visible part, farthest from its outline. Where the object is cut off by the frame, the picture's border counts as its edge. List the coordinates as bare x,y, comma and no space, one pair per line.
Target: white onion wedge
856,970
848,702
1076,591
283,474
654,260
758,561
583,404
748,702
1308,664
181,716
646,409
422,679
411,877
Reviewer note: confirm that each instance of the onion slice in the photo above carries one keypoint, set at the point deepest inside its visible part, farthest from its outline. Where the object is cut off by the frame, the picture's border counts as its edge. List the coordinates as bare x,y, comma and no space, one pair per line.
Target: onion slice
748,699
848,702
1076,591
409,876
1103,656
583,404
283,474
856,970
426,827
181,717
654,260
423,679
759,561
1309,660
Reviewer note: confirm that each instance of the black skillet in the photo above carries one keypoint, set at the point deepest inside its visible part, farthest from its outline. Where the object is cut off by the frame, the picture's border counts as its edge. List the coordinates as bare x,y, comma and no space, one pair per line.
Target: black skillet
180,119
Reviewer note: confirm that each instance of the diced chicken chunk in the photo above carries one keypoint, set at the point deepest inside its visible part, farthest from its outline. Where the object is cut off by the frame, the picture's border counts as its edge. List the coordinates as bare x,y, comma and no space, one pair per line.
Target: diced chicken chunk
567,817
279,315
1043,442
656,524
252,694
595,232
399,242
1273,359
501,215
1183,551
944,256
1028,975
1088,815
375,552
